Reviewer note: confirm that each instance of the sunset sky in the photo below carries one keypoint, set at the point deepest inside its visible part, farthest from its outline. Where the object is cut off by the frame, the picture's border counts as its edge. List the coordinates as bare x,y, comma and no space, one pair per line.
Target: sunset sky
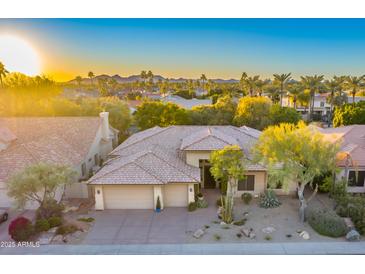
220,48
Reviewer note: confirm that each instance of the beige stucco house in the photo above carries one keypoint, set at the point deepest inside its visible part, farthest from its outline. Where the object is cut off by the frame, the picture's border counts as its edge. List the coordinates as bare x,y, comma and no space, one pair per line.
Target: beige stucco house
171,163
81,142
352,140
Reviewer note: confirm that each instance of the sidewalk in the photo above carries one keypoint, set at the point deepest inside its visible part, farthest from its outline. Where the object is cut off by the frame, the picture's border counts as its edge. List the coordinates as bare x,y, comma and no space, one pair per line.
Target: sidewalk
195,249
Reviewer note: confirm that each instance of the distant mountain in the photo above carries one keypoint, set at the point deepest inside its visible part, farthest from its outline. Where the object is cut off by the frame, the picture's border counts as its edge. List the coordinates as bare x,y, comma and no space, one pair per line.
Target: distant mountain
135,78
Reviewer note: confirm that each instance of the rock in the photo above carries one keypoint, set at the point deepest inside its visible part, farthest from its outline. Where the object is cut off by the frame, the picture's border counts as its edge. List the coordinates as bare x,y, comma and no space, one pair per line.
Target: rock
245,214
299,231
245,231
222,223
198,233
269,229
70,208
45,238
349,223
353,236
58,239
305,235
252,235
53,230
77,234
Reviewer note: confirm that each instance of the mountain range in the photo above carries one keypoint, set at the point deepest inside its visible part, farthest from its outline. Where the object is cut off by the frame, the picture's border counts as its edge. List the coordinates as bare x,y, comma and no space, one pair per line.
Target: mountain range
156,78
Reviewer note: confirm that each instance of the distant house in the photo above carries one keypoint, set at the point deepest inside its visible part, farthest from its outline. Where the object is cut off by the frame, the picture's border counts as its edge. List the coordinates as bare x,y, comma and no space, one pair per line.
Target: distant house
186,103
172,163
81,142
321,106
352,144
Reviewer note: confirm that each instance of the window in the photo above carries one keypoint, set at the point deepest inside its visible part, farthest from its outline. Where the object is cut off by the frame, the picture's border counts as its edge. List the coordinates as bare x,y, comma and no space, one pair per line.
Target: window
360,178
247,184
83,169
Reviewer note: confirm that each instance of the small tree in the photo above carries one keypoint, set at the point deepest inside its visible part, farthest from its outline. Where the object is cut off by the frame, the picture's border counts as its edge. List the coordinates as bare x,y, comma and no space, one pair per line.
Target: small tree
296,153
39,183
228,165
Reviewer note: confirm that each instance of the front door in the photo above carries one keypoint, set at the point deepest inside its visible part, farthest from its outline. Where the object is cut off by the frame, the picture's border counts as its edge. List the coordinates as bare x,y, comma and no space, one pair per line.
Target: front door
209,181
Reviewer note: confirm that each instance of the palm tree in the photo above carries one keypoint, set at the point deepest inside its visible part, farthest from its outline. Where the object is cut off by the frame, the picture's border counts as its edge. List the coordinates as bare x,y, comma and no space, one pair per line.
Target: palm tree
294,91
150,79
313,84
91,75
334,86
251,83
3,73
282,80
354,83
204,79
143,76
78,79
242,81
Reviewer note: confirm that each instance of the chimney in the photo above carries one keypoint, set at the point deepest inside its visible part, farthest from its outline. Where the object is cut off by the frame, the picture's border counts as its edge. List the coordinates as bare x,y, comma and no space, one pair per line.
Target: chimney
104,125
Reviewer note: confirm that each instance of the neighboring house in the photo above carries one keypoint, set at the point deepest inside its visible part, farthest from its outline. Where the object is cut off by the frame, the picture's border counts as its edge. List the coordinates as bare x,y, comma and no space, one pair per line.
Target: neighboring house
321,107
186,103
81,142
171,163
357,98
353,144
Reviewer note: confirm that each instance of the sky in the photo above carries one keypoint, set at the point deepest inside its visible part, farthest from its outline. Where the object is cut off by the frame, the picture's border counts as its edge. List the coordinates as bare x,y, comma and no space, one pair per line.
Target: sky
219,48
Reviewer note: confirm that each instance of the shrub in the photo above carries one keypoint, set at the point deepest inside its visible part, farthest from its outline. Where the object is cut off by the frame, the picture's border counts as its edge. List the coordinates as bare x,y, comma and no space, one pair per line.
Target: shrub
66,229
326,222
268,238
217,237
240,222
246,198
50,208
21,229
201,203
86,220
269,199
199,195
54,221
326,184
192,206
42,225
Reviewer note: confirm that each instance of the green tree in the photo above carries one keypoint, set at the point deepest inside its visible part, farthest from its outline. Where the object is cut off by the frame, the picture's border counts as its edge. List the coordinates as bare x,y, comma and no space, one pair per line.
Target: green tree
78,80
242,82
294,91
3,73
251,84
354,83
38,183
91,75
280,114
282,80
253,112
349,114
334,86
154,113
228,164
296,154
313,84
203,78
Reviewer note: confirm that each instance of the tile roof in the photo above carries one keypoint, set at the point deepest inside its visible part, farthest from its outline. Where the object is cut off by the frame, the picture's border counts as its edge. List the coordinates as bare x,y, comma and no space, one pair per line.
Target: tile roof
157,151
63,140
352,141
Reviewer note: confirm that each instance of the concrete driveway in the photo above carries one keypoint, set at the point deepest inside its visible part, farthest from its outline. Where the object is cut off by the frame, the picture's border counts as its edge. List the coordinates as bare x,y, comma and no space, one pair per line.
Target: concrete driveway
171,226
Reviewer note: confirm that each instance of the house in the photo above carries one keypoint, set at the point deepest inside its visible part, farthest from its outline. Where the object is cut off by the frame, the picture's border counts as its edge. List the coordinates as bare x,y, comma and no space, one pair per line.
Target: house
186,103
171,163
321,107
81,142
352,144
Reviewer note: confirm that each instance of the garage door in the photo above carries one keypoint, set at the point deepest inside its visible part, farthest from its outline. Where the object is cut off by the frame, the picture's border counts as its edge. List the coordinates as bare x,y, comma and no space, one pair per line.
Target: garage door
176,195
128,197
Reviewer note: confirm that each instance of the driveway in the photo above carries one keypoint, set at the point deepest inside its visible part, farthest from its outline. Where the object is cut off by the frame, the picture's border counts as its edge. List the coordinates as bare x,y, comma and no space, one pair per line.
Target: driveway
171,226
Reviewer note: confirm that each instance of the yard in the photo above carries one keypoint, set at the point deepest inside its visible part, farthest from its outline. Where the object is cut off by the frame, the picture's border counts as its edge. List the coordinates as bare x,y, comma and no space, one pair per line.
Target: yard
177,225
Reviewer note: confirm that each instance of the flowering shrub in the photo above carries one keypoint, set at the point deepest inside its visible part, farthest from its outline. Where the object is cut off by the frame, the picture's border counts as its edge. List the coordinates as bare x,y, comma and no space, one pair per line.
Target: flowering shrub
21,229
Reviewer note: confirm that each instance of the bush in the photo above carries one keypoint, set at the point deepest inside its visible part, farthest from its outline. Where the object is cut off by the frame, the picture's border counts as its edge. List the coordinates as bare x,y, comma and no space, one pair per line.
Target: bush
192,206
269,199
246,198
199,195
42,225
326,184
86,220
326,222
240,222
21,229
201,203
66,229
54,221
50,208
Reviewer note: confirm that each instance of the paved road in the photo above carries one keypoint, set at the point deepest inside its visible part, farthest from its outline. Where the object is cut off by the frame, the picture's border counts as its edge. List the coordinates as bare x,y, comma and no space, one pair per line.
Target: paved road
196,249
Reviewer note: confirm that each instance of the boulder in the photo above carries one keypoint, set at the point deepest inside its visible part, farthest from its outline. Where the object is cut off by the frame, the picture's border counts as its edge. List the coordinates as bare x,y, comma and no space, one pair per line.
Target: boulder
252,235
269,229
245,231
53,230
353,236
198,233
305,235
58,239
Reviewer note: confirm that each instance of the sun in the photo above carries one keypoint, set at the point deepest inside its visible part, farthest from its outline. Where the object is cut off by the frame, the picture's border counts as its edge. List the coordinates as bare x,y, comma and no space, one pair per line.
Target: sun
18,55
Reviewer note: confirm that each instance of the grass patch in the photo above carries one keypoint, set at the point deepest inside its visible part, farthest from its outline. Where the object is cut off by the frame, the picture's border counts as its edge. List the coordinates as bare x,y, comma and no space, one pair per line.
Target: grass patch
268,238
